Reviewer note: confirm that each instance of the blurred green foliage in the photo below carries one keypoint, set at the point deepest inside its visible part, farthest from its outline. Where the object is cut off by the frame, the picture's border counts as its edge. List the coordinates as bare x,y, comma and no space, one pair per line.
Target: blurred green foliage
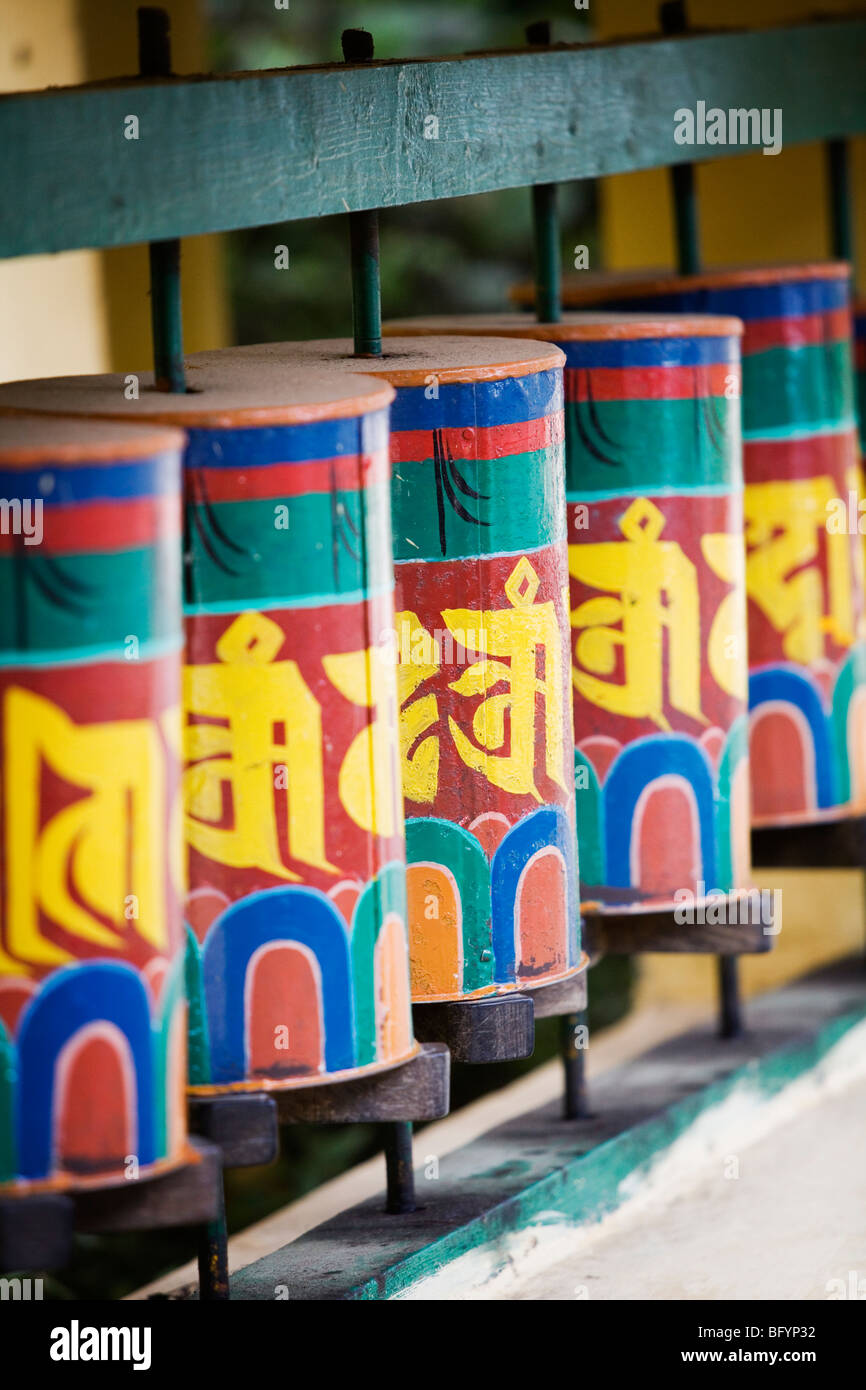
460,255
454,256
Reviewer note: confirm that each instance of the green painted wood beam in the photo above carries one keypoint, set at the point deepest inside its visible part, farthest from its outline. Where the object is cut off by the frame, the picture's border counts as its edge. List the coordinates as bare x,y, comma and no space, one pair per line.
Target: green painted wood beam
538,1171
216,153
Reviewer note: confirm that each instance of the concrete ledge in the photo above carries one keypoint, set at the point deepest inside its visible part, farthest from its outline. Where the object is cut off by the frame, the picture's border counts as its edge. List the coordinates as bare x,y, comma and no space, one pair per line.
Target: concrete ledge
538,1172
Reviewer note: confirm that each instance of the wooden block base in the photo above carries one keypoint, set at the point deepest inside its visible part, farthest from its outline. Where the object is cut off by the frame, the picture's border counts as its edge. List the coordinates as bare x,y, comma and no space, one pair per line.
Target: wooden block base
36,1229
243,1127
637,933
417,1090
497,1028
187,1196
563,997
839,844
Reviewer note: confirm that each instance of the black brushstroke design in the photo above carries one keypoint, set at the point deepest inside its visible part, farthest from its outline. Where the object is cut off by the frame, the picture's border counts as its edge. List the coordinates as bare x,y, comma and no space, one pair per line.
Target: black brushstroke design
450,481
586,414
200,515
593,415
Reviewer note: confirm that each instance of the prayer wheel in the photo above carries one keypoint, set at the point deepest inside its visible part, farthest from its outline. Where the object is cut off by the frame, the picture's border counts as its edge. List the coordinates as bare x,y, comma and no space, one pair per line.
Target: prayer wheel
92,1011
297,960
804,560
480,644
658,659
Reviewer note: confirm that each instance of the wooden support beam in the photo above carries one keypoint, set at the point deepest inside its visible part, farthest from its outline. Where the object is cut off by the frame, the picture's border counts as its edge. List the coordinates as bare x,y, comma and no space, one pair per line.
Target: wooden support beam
215,153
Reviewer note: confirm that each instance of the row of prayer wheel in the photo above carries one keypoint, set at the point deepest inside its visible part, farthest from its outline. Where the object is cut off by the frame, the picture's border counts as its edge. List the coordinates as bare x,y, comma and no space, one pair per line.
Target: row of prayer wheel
320,679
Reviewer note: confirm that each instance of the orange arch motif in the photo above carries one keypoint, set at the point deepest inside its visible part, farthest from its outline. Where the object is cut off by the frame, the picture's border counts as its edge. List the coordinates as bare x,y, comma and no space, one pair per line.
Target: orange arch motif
780,753
435,931
393,1006
96,1101
541,916
285,1027
666,838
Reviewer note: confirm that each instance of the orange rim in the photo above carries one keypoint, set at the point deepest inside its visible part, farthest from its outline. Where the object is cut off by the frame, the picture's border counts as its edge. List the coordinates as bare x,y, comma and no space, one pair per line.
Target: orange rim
585,327
133,441
633,285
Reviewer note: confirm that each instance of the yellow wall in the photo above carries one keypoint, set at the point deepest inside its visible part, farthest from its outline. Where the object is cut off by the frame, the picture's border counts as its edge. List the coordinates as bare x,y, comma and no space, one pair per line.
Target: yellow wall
86,311
753,208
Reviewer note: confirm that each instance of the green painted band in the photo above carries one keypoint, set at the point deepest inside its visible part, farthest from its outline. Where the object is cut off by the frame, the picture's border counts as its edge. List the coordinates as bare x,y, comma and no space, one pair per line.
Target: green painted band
281,551
518,507
641,446
797,386
89,603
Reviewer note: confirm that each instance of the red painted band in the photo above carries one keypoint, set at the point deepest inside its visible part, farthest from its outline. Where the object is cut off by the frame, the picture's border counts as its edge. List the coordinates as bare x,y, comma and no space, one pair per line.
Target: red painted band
489,442
831,326
650,383
345,474
105,528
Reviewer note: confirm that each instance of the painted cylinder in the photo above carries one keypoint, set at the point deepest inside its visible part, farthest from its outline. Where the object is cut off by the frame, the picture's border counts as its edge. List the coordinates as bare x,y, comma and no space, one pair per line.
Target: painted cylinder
297,959
804,557
92,1011
481,650
658,664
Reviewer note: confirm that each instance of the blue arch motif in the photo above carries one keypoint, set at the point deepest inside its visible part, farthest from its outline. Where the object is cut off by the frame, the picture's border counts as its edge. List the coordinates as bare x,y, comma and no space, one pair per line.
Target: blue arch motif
293,915
77,995
790,687
541,829
642,762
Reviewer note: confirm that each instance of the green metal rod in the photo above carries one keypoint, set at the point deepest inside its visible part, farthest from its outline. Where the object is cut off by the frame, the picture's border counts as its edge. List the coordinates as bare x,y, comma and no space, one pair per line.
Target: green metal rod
166,318
366,288
357,46
548,267
686,218
213,1259
575,1105
673,20
548,270
399,1170
839,175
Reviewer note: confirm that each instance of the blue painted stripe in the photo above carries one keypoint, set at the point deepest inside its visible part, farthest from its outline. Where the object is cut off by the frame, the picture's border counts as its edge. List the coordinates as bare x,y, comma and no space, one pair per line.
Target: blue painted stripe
64,485
790,300
258,445
478,403
651,352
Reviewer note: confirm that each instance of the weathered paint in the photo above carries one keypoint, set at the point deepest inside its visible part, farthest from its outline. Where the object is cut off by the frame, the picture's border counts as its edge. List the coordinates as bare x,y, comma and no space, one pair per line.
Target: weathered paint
654,496
804,561
480,644
531,1179
92,1015
310,142
297,959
